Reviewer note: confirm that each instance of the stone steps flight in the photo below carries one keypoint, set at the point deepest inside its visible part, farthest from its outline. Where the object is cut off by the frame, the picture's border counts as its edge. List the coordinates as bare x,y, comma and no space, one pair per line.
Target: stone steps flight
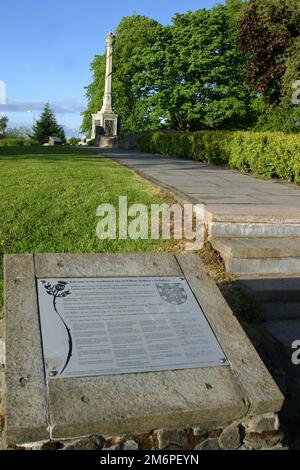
263,252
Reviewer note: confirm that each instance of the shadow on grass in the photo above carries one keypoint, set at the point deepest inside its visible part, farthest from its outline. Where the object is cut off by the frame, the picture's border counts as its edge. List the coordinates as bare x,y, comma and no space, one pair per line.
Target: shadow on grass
48,154
40,150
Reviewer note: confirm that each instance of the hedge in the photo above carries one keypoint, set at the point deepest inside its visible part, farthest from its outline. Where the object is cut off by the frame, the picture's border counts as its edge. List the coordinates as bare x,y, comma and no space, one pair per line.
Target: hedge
267,154
17,143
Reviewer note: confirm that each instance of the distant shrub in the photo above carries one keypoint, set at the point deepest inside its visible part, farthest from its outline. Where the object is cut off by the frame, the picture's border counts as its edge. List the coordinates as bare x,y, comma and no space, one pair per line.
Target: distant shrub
17,142
74,141
30,143
11,142
268,154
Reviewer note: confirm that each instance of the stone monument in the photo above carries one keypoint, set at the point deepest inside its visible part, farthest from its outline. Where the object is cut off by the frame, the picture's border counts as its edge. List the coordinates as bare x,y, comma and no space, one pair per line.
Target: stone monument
124,345
105,122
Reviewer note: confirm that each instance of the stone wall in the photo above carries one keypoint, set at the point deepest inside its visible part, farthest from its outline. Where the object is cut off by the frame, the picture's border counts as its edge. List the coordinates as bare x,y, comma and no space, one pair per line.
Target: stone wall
260,432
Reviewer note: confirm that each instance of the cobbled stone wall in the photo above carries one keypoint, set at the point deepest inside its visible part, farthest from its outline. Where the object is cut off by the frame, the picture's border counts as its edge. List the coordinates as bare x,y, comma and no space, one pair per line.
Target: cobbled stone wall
260,432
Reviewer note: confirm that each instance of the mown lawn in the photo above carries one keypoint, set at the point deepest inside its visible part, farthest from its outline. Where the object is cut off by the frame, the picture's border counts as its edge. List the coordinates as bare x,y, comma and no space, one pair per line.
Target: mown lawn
49,197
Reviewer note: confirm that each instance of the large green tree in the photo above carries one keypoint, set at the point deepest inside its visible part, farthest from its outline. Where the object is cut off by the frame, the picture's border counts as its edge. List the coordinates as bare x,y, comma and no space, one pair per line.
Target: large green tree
94,92
198,72
133,37
188,75
47,126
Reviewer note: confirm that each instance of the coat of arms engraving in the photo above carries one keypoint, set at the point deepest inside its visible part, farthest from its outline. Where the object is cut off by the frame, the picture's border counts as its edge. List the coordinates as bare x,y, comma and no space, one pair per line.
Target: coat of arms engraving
173,293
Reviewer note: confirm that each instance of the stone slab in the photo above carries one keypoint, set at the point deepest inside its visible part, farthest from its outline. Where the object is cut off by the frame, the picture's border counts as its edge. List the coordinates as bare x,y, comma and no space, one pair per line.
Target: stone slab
256,213
25,390
262,392
143,402
283,266
64,408
258,248
26,414
253,230
90,265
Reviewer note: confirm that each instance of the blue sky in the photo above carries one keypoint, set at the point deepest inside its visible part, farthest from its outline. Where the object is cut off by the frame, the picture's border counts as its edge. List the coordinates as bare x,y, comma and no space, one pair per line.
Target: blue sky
47,46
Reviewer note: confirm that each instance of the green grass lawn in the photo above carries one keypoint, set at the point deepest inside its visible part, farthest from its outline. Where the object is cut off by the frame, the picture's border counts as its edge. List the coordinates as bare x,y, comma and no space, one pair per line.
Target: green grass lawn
49,197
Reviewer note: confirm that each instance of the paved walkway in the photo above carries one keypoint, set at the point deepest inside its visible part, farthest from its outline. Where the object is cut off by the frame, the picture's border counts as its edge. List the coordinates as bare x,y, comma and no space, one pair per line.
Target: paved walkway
230,198
223,191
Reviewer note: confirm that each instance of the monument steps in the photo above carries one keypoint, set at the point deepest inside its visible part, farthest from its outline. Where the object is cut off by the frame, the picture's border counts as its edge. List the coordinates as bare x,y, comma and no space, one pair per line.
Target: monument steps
263,252
285,332
255,230
258,248
271,289
259,255
280,310
278,297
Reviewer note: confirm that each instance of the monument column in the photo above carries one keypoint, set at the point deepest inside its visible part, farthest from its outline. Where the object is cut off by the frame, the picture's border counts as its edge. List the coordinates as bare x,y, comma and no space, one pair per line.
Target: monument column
105,122
107,101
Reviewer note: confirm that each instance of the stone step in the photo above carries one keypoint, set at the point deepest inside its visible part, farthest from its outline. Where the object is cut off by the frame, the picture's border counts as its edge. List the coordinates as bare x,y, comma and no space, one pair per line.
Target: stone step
226,229
259,256
280,310
284,331
273,288
263,266
245,213
258,248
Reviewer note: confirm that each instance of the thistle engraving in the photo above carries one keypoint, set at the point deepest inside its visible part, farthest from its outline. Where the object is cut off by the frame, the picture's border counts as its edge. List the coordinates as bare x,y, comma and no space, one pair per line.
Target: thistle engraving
59,291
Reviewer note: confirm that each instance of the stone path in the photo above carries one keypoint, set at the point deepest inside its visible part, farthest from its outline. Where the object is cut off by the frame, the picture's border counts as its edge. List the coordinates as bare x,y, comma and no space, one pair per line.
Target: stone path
255,225
222,190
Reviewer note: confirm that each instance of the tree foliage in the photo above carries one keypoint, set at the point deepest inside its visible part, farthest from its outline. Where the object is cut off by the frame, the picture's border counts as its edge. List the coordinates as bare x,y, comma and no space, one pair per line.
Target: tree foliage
94,92
47,126
135,37
266,32
292,72
3,124
21,132
204,72
207,70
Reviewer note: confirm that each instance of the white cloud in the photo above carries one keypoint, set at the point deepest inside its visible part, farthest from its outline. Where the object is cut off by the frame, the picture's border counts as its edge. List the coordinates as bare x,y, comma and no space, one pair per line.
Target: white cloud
59,107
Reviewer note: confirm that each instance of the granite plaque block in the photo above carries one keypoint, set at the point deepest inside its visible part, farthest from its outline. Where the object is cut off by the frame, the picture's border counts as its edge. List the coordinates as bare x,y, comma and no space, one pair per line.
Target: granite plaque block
112,344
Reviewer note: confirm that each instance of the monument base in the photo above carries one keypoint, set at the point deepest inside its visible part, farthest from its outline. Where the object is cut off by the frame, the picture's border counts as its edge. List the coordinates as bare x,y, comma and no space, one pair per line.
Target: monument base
42,409
107,121
105,142
124,141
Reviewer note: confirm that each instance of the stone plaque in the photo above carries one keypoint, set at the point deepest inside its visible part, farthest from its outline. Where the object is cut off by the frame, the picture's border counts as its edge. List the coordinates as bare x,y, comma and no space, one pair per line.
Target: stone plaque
102,315
107,326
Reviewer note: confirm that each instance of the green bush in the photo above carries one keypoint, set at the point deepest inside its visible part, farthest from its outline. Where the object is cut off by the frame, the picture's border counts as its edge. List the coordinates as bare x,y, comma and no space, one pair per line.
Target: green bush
74,140
30,143
271,118
267,154
17,143
11,142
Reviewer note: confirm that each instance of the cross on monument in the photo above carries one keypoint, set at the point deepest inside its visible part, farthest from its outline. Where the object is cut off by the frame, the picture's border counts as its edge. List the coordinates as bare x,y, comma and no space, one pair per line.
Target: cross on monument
106,121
